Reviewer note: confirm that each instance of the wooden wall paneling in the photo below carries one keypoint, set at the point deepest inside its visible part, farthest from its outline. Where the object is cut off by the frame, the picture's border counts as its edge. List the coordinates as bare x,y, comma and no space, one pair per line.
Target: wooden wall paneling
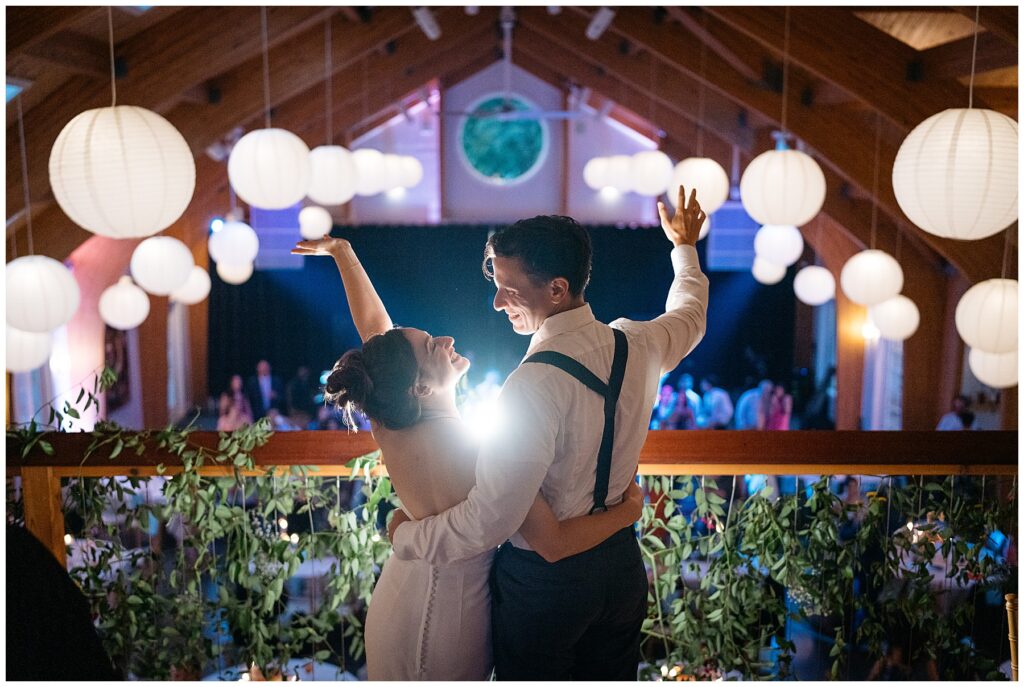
834,133
153,354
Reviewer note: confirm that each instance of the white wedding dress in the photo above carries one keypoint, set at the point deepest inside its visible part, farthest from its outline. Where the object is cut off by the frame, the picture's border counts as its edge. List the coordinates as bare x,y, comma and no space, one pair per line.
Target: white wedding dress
430,622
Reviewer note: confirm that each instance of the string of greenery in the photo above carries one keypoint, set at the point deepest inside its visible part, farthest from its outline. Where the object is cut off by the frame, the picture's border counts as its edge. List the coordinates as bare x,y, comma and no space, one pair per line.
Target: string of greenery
730,576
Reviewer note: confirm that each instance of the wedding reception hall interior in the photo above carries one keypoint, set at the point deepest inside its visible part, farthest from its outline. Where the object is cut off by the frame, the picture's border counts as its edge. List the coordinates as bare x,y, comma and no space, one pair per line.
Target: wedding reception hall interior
176,473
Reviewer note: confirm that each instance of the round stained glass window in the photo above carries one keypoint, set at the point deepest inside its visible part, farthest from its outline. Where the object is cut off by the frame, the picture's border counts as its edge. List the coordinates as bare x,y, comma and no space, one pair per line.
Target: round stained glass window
499,150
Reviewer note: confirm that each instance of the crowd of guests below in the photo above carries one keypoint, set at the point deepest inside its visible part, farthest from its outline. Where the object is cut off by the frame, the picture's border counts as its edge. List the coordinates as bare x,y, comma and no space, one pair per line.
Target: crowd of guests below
299,404
765,406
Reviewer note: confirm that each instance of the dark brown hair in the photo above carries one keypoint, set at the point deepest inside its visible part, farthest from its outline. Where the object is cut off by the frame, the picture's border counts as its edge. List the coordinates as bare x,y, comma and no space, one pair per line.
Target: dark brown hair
377,380
549,246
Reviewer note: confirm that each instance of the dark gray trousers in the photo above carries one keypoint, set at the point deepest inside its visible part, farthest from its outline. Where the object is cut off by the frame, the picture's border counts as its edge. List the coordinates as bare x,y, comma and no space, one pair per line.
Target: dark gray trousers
576,619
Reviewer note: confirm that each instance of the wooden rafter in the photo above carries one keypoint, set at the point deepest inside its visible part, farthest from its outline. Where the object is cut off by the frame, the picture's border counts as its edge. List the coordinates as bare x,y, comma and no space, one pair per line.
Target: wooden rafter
74,53
31,24
1000,20
951,60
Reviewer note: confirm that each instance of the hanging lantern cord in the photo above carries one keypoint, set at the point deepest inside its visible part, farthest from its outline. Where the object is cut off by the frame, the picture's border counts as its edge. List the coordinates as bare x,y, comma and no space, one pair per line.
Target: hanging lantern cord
327,81
703,85
974,57
113,72
874,183
785,71
266,65
24,177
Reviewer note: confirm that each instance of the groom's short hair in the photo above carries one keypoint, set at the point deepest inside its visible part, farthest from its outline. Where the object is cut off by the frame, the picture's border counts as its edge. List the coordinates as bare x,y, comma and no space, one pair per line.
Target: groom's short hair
549,246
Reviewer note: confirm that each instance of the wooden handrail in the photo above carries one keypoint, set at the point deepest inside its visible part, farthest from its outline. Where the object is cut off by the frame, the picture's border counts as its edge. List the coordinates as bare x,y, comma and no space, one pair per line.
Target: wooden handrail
666,452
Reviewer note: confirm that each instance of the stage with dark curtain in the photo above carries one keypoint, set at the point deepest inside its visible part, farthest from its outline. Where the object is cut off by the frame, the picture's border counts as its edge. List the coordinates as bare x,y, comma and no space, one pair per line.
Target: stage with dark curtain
429,277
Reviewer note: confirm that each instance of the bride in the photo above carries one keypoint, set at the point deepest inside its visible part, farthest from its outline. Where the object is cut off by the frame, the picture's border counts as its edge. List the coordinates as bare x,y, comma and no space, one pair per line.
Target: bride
429,622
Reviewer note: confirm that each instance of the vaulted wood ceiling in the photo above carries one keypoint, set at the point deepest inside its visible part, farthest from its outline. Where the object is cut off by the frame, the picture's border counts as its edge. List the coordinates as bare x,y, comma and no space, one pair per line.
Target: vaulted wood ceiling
201,67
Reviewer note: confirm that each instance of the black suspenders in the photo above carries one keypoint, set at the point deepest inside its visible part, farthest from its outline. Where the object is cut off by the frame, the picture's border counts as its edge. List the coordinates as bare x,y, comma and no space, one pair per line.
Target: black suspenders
609,391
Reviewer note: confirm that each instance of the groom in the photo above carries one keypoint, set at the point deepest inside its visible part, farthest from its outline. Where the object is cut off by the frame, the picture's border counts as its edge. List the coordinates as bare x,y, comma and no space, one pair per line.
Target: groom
576,414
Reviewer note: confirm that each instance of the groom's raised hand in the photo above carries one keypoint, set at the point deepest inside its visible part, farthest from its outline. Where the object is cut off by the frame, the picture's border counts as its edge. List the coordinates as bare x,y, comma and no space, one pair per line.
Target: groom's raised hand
684,226
323,246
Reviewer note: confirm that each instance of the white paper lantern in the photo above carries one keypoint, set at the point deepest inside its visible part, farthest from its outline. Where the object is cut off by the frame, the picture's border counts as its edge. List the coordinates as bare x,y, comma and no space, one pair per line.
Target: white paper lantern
234,274
652,172
897,318
314,222
236,244
779,243
26,350
955,175
986,316
705,175
371,176
392,171
195,289
332,179
870,277
619,173
998,370
122,172
595,173
270,168
161,264
412,172
767,272
814,285
783,187
124,305
42,294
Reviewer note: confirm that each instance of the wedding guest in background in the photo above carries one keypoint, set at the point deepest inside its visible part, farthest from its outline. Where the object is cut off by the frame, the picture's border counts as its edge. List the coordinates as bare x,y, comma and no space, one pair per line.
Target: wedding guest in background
959,418
234,408
300,396
715,406
747,415
264,391
779,409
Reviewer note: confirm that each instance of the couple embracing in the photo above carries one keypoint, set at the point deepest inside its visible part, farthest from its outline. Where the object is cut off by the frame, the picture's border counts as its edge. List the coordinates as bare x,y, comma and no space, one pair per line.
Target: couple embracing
565,595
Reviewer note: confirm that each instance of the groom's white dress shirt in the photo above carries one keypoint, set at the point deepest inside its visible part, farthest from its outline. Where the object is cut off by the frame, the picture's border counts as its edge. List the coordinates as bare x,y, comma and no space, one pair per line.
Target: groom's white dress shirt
553,424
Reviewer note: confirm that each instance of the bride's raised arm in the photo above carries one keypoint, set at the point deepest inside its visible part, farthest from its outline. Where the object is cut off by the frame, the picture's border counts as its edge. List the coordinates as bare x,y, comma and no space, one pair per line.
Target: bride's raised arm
368,312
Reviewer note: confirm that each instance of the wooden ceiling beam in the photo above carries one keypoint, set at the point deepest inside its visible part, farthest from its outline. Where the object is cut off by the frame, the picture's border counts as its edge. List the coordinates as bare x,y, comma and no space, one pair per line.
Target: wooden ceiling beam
606,55
295,67
835,133
952,60
30,25
161,62
73,53
1000,20
694,21
836,46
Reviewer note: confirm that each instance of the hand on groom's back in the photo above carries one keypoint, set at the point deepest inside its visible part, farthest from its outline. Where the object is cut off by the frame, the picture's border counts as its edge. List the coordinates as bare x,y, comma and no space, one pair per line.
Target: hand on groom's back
398,516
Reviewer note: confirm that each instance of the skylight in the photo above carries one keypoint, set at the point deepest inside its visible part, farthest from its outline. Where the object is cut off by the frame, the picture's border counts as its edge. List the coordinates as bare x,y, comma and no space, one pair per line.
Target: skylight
13,90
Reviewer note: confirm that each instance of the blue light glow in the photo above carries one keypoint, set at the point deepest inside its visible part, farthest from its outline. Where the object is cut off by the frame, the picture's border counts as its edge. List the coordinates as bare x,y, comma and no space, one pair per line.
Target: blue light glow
13,90
217,224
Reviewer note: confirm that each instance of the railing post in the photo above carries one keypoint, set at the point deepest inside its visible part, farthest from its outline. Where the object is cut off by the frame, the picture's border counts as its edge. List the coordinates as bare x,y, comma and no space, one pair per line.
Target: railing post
1011,615
44,517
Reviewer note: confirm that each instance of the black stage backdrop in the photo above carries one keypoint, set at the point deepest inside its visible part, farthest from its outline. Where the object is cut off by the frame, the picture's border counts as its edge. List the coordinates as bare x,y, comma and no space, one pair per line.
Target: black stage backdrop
429,277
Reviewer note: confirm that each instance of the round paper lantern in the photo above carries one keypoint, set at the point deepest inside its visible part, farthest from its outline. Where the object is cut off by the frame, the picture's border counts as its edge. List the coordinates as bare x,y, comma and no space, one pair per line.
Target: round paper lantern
124,305
236,243
270,168
234,274
122,172
161,264
870,277
412,172
814,285
195,289
42,294
392,171
332,179
652,172
955,175
314,222
26,350
998,370
705,175
619,173
986,316
595,173
371,175
779,243
767,272
783,187
897,318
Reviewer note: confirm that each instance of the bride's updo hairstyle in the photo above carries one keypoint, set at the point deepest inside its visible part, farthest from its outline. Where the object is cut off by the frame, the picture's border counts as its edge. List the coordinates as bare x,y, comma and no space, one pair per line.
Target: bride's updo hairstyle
377,381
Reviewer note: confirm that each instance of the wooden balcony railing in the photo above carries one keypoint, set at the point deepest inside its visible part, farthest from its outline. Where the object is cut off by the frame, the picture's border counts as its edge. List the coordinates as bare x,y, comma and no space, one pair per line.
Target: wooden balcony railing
665,453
